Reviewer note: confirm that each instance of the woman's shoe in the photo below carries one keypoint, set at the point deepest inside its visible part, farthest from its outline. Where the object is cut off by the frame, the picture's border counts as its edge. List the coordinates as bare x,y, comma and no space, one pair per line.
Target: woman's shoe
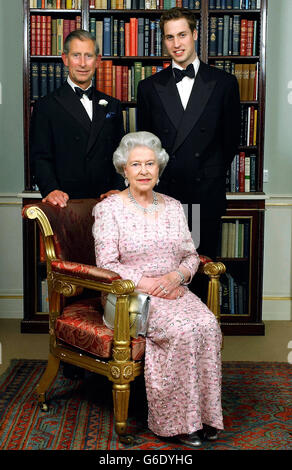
209,433
192,440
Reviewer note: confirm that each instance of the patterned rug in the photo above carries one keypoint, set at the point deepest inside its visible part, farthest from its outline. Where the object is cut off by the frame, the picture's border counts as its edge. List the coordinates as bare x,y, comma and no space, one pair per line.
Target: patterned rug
257,405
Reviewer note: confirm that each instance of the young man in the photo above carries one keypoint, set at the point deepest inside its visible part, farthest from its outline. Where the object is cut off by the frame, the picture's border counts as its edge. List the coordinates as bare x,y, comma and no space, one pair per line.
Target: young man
74,134
195,111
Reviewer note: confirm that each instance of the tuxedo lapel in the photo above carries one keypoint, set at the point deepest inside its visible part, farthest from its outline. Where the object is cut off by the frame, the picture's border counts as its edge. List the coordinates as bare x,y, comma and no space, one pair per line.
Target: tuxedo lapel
199,97
98,119
71,102
168,93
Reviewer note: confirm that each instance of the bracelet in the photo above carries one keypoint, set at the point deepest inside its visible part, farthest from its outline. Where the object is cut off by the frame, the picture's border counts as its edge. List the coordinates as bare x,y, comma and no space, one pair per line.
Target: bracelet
182,278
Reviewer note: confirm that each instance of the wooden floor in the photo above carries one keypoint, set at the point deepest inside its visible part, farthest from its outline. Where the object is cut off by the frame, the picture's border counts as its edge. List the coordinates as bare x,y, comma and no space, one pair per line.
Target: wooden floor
275,346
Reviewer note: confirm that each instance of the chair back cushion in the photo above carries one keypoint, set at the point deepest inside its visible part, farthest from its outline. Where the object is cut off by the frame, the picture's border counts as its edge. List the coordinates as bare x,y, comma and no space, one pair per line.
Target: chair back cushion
72,227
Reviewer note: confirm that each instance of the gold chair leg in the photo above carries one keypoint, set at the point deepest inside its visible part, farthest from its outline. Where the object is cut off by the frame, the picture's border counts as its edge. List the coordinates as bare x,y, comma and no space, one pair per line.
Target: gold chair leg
121,397
46,380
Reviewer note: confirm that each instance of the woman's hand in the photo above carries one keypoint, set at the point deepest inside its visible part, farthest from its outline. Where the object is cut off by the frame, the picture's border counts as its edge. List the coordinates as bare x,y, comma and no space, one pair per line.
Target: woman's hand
165,285
176,293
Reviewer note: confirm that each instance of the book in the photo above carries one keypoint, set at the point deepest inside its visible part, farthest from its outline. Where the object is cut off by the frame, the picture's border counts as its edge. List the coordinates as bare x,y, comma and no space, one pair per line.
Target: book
251,82
213,36
224,239
238,74
220,26
241,171
224,283
247,174
245,82
225,34
236,35
107,36
243,36
253,182
137,76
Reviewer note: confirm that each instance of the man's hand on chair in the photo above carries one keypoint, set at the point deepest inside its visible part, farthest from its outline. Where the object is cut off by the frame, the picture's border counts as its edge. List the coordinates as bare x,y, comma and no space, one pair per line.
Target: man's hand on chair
109,193
57,198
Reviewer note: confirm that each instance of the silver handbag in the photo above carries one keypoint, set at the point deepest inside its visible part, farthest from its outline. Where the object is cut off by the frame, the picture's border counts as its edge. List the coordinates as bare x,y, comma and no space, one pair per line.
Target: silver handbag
139,306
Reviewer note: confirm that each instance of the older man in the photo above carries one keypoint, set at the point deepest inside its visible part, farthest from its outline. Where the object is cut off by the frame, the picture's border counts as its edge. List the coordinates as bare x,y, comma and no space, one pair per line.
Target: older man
75,130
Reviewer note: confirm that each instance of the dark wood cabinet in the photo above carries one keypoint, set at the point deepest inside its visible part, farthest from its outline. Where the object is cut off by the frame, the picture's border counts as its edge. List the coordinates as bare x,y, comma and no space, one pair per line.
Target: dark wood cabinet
245,209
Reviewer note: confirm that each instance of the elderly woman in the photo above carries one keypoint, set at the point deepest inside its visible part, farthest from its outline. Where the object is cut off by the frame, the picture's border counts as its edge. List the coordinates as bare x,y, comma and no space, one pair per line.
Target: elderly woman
143,236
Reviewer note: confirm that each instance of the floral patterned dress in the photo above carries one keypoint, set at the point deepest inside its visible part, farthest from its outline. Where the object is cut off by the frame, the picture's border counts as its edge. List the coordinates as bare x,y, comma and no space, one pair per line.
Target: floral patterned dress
183,342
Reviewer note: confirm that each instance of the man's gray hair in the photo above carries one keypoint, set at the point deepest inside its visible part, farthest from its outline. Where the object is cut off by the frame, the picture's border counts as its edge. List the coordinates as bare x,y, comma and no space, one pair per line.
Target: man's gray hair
139,139
82,35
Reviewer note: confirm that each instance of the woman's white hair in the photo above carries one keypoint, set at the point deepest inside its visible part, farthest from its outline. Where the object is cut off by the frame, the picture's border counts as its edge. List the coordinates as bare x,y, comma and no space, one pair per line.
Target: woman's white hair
139,139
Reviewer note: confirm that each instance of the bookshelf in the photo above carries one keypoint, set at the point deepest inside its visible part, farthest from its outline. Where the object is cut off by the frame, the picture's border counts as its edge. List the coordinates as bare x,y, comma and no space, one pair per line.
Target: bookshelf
130,53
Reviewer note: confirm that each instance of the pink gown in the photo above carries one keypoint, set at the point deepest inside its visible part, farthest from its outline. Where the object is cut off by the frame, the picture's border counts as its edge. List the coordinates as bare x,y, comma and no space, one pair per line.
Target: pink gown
183,342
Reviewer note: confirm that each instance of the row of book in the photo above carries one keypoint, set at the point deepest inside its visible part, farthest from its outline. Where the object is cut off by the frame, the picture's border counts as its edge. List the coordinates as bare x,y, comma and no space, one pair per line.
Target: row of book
232,35
247,76
121,81
235,239
140,37
47,34
242,174
234,296
235,4
56,4
248,126
46,77
116,4
143,4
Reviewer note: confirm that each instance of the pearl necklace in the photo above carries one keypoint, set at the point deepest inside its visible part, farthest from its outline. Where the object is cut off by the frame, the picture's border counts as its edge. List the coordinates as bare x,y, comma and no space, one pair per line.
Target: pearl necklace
146,210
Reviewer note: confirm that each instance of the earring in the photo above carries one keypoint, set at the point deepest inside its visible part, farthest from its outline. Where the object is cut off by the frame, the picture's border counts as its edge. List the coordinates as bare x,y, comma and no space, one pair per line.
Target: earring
126,182
157,182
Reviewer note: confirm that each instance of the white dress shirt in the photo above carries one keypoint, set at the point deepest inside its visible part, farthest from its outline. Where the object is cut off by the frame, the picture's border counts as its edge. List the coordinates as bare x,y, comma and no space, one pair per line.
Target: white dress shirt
186,84
87,103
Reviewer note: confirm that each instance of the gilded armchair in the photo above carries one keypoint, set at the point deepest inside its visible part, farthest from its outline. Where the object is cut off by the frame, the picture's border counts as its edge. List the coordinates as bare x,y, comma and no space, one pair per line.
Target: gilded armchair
77,333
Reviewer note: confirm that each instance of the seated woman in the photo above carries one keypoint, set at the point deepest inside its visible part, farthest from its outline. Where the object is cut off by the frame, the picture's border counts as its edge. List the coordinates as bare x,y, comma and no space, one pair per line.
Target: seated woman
144,236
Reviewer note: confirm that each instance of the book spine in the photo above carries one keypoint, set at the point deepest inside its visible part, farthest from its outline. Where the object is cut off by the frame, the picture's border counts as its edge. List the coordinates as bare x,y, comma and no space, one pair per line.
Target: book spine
43,79
107,36
243,37
247,174
33,35
220,25
146,37
59,36
213,36
236,35
35,81
225,34
141,37
249,38
241,171
58,75
51,77
48,35
122,38
253,183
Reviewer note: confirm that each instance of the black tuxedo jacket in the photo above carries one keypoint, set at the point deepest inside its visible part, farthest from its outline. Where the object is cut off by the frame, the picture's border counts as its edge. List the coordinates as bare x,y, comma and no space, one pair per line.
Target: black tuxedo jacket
201,140
69,151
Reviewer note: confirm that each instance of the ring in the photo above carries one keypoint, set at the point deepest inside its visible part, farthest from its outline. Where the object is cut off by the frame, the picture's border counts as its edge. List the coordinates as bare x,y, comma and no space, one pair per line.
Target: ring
161,287
165,291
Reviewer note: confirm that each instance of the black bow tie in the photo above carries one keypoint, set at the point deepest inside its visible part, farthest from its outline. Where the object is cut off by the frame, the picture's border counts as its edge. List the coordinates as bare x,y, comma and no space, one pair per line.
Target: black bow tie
180,74
80,92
